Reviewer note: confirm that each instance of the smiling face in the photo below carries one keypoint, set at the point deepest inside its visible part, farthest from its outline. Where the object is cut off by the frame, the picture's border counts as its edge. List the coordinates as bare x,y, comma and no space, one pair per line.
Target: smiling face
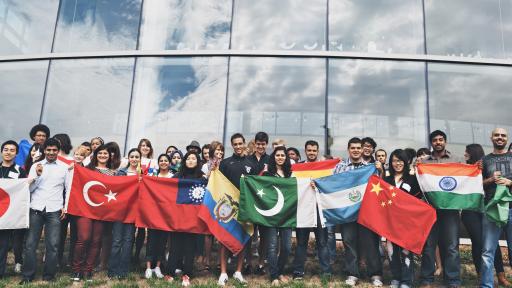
238,146
355,151
280,157
206,154
134,159
219,154
260,147
176,159
367,150
9,153
95,143
292,155
51,153
438,143
103,157
311,152
163,164
145,149
78,157
499,138
398,165
191,161
40,137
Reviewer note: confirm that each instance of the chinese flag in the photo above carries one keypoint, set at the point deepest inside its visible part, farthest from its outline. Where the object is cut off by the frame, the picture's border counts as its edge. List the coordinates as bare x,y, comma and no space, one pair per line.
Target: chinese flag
171,204
401,218
102,197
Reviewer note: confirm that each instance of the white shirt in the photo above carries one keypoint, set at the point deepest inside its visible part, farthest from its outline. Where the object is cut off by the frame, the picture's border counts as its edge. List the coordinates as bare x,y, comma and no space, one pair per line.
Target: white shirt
47,191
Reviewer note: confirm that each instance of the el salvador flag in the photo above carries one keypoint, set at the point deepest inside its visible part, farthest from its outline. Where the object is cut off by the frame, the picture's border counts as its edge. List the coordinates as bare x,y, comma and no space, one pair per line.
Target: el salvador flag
340,195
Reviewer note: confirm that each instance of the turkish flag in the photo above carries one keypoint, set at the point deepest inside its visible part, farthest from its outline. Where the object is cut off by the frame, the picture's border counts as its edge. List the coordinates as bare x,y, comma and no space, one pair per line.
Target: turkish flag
171,204
102,197
401,218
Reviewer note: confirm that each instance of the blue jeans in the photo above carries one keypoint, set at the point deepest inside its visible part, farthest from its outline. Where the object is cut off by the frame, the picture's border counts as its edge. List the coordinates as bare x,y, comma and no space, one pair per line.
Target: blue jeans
331,243
491,235
51,223
302,248
281,245
402,265
120,254
445,232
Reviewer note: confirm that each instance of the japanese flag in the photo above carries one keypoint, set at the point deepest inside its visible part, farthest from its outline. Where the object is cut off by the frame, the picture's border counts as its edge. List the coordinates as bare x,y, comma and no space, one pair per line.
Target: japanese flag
14,203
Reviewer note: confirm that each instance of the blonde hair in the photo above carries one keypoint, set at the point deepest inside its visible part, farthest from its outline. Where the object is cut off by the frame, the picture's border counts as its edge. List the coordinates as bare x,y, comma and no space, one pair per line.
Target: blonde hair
278,142
81,150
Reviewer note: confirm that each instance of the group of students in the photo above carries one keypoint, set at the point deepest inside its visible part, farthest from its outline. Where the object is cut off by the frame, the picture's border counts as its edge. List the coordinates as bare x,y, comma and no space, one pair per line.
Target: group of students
99,245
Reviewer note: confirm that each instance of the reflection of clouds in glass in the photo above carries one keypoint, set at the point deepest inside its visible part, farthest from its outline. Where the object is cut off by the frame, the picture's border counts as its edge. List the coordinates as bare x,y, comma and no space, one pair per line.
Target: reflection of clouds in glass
88,98
97,25
191,24
22,94
469,101
376,26
27,26
177,100
464,28
381,99
284,24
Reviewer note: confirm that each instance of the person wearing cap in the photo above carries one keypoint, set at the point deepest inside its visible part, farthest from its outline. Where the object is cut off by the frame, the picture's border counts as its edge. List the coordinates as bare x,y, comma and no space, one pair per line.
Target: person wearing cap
194,147
39,133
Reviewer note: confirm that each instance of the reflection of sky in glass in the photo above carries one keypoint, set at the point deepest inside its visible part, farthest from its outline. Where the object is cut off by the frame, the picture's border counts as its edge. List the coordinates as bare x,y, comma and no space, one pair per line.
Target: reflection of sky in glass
388,26
27,26
183,25
90,25
469,101
283,25
177,100
87,98
467,28
21,97
381,99
282,96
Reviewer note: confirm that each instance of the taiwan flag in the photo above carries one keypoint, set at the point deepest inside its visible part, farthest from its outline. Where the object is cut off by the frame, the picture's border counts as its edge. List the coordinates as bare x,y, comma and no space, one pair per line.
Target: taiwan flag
102,197
171,204
392,213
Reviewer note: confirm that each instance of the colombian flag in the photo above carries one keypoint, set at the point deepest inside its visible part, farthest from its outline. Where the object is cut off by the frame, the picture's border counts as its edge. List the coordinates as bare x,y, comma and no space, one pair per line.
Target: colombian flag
314,169
219,211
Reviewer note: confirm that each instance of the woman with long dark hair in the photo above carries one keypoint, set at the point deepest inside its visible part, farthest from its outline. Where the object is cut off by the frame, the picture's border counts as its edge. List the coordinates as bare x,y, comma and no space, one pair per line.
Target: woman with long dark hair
155,248
88,242
176,158
123,233
472,220
402,260
279,239
36,154
183,243
95,143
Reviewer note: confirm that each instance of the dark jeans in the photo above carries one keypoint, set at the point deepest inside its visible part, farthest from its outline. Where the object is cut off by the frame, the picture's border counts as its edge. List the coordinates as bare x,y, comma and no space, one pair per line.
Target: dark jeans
50,221
445,232
88,244
182,252
371,243
139,242
302,238
402,265
5,235
18,242
331,243
279,242
473,222
156,245
71,222
122,241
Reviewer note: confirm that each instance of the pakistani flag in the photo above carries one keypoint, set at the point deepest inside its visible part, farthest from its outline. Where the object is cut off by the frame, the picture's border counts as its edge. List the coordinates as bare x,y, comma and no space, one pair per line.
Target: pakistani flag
277,202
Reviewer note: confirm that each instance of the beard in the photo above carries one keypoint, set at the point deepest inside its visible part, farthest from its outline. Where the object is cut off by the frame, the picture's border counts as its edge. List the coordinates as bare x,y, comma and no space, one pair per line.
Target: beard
499,147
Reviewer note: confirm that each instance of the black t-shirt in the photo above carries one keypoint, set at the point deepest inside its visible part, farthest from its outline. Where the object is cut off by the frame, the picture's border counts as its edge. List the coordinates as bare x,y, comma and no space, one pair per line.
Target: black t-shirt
235,166
496,162
259,164
12,172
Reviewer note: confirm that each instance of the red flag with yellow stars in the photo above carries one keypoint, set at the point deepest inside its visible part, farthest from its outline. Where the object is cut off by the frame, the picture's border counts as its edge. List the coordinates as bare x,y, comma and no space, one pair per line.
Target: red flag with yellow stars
392,213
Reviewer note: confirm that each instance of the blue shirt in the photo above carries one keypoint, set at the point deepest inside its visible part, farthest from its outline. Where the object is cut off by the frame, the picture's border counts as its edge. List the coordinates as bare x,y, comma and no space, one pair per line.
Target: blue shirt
48,190
347,165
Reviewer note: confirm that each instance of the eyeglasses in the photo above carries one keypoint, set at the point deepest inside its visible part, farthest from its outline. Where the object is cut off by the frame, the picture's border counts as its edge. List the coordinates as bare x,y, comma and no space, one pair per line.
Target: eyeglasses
398,161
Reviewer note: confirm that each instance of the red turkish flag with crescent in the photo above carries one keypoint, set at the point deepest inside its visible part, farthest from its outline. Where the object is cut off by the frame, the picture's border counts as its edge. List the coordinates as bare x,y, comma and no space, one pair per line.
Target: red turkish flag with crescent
401,218
102,197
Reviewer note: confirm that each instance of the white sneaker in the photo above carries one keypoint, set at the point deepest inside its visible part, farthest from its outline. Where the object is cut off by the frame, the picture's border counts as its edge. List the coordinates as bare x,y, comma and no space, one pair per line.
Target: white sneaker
148,273
158,273
376,282
185,281
223,278
351,281
17,268
394,284
238,277
178,272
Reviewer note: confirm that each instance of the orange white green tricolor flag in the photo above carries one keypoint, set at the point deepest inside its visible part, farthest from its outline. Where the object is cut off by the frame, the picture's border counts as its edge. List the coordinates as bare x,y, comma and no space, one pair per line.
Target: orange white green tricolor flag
452,185
314,170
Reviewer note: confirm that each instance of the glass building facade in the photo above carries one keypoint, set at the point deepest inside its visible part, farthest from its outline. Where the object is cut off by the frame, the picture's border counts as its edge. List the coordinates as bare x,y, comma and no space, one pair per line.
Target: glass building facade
175,70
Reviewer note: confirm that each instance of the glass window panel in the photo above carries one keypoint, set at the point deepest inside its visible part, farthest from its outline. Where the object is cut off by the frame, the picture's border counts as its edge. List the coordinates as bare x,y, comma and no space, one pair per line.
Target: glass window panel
186,25
376,26
27,26
385,100
283,25
97,25
468,101
177,100
284,97
506,25
88,98
22,95
464,28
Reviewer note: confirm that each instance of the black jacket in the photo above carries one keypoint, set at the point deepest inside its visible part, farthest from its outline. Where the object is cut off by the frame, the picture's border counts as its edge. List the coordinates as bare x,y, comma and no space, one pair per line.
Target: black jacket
409,185
235,166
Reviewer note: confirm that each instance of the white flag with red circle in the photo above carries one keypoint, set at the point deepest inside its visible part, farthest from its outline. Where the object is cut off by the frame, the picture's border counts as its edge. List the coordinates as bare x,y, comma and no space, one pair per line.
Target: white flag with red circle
14,203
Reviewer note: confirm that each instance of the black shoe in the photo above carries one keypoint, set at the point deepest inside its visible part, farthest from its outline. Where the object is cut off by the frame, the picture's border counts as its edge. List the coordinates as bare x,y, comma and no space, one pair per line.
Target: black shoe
247,269
49,278
25,282
76,277
260,270
88,276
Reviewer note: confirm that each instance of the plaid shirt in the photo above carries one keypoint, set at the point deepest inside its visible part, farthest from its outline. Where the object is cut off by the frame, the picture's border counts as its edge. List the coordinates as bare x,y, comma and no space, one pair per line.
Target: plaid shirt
347,165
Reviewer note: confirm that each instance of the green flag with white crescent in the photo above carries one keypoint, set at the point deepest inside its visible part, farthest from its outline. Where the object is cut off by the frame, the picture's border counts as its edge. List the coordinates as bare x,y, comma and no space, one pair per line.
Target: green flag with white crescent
277,202
498,208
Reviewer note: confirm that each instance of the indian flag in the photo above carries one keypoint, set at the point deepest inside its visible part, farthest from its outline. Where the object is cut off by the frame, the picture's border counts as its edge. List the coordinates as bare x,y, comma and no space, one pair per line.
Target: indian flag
314,170
452,185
